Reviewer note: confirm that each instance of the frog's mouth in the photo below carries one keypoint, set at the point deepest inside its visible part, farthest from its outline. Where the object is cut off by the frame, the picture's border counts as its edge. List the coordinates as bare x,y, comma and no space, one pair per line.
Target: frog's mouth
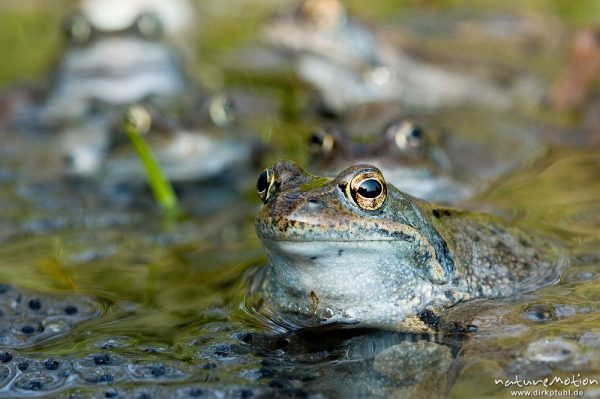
322,249
298,239
120,70
308,229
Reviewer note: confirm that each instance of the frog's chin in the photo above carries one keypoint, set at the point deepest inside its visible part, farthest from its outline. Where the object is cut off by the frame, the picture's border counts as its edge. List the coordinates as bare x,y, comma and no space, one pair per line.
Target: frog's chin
119,72
352,283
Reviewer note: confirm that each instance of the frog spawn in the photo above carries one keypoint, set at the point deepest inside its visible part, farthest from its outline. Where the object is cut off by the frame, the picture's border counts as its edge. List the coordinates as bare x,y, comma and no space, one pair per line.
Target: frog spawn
118,367
28,318
108,374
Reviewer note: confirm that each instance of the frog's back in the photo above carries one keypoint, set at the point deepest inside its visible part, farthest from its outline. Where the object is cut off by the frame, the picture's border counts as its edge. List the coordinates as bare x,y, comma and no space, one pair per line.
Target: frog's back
498,258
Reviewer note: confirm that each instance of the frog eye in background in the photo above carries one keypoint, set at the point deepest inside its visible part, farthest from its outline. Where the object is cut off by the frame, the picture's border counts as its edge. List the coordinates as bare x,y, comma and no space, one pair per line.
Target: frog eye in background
323,14
78,29
222,110
149,26
321,142
367,190
266,185
407,135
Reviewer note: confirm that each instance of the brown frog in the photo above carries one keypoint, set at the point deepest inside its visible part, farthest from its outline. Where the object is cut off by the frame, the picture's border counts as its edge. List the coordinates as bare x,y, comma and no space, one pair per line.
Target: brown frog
355,250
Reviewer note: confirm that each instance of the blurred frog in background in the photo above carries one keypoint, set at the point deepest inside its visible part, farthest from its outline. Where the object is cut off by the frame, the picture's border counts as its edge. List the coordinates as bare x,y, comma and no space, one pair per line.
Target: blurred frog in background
349,64
447,158
116,53
119,53
412,157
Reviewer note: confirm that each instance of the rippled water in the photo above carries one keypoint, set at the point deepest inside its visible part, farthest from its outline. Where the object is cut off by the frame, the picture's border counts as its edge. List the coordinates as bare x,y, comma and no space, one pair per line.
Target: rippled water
101,295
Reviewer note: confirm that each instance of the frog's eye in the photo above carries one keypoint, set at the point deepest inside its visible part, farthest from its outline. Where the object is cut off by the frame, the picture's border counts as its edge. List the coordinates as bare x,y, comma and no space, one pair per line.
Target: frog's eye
266,185
322,13
149,26
222,110
321,142
367,190
78,29
408,135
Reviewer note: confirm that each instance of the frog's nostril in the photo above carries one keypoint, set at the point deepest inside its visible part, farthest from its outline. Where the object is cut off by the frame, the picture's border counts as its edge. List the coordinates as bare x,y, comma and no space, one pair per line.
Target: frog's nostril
314,203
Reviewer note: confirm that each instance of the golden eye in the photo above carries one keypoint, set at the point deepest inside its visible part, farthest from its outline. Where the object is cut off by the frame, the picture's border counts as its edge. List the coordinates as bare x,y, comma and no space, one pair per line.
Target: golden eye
321,141
266,185
78,29
408,135
149,26
367,190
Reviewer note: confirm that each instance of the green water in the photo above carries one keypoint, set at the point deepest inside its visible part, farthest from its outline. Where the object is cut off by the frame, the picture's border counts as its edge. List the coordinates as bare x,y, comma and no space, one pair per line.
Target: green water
172,291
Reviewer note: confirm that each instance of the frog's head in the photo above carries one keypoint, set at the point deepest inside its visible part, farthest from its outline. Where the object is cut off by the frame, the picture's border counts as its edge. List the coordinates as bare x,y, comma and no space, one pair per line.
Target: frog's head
176,16
116,53
351,249
321,14
332,52
305,28
402,142
313,15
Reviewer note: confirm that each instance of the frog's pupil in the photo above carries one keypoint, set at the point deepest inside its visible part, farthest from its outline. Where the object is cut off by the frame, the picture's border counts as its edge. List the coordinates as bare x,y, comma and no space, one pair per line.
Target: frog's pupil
263,182
370,188
416,133
229,106
316,139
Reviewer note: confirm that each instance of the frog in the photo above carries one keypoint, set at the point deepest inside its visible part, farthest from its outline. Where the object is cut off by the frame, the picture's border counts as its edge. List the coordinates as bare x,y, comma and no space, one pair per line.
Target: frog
413,158
115,54
350,64
121,54
355,251
187,153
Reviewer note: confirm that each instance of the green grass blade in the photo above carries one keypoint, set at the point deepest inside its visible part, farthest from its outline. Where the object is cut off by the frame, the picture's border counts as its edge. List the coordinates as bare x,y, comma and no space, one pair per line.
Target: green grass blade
136,124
